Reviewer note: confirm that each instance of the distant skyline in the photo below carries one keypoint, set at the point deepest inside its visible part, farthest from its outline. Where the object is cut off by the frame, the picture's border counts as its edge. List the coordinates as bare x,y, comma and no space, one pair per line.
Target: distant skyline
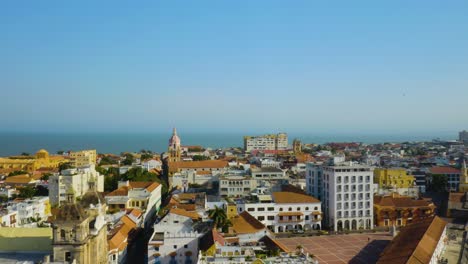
253,67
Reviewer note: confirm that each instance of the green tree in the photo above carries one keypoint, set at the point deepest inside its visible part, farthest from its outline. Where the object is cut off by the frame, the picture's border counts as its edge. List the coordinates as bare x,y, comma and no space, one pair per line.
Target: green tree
146,156
25,154
439,183
219,217
3,198
45,176
26,192
65,166
106,160
60,152
129,159
41,191
200,157
14,173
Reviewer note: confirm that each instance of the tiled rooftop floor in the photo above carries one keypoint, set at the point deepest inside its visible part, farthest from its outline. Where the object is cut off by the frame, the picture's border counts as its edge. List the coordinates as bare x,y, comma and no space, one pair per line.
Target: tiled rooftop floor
341,249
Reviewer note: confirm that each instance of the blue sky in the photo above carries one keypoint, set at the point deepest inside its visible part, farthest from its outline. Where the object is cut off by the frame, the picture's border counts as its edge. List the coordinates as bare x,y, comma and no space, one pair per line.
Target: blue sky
234,66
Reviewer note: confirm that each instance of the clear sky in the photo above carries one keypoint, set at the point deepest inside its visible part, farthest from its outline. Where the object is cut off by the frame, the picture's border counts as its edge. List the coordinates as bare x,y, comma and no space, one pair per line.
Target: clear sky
266,66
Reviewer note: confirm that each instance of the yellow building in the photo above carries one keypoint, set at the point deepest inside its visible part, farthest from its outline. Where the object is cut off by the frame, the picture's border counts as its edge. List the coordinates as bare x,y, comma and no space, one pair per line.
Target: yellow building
397,178
41,159
83,158
463,186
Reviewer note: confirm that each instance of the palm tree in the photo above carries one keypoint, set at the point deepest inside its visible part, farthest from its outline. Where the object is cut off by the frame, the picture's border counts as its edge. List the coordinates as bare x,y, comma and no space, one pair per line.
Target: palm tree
299,249
219,217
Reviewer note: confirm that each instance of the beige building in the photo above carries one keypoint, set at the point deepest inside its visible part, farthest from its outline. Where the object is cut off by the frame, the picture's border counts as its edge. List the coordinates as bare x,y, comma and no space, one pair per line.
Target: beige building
80,230
73,179
83,158
266,142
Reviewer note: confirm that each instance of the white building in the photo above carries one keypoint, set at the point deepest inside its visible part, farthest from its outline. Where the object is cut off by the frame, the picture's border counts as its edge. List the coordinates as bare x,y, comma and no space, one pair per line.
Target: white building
285,211
8,218
152,164
236,186
76,180
265,163
182,180
173,239
32,210
145,196
345,190
266,142
268,174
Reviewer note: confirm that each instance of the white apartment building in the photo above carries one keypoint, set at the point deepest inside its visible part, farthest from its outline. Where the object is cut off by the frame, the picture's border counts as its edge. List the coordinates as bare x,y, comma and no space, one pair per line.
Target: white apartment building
145,196
75,180
268,174
236,186
173,241
266,142
184,179
264,163
83,158
285,211
345,190
31,210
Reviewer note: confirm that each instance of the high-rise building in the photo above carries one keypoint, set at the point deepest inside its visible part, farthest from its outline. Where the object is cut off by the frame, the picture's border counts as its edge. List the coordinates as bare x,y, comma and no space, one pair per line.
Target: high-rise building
345,189
75,179
266,142
174,150
463,136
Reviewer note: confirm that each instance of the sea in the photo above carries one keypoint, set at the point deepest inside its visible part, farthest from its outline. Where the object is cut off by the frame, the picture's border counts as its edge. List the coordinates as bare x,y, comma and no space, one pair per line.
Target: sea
15,143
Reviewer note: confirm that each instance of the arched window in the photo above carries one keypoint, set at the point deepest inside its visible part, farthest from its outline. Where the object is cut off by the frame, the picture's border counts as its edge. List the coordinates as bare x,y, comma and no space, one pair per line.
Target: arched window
62,234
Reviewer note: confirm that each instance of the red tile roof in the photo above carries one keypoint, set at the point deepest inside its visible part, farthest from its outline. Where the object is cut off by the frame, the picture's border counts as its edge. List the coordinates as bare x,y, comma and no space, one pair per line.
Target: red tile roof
444,170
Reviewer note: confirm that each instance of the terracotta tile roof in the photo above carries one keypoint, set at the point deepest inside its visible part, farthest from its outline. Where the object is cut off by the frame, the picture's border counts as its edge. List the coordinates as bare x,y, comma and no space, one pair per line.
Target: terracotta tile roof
118,240
244,223
415,243
179,211
209,238
444,170
291,197
19,179
136,212
290,213
400,201
123,190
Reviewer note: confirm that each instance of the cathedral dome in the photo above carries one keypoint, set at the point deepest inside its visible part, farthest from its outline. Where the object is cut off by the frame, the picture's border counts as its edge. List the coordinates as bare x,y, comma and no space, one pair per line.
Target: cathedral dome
174,141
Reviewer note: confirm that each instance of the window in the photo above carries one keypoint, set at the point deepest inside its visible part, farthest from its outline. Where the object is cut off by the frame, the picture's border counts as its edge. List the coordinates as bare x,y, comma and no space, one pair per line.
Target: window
281,209
271,208
251,209
67,256
62,234
290,209
307,208
261,209
261,218
271,217
185,246
316,208
175,246
298,209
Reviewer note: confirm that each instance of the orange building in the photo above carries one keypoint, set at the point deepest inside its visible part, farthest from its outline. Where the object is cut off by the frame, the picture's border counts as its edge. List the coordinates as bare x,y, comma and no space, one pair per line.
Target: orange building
400,210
